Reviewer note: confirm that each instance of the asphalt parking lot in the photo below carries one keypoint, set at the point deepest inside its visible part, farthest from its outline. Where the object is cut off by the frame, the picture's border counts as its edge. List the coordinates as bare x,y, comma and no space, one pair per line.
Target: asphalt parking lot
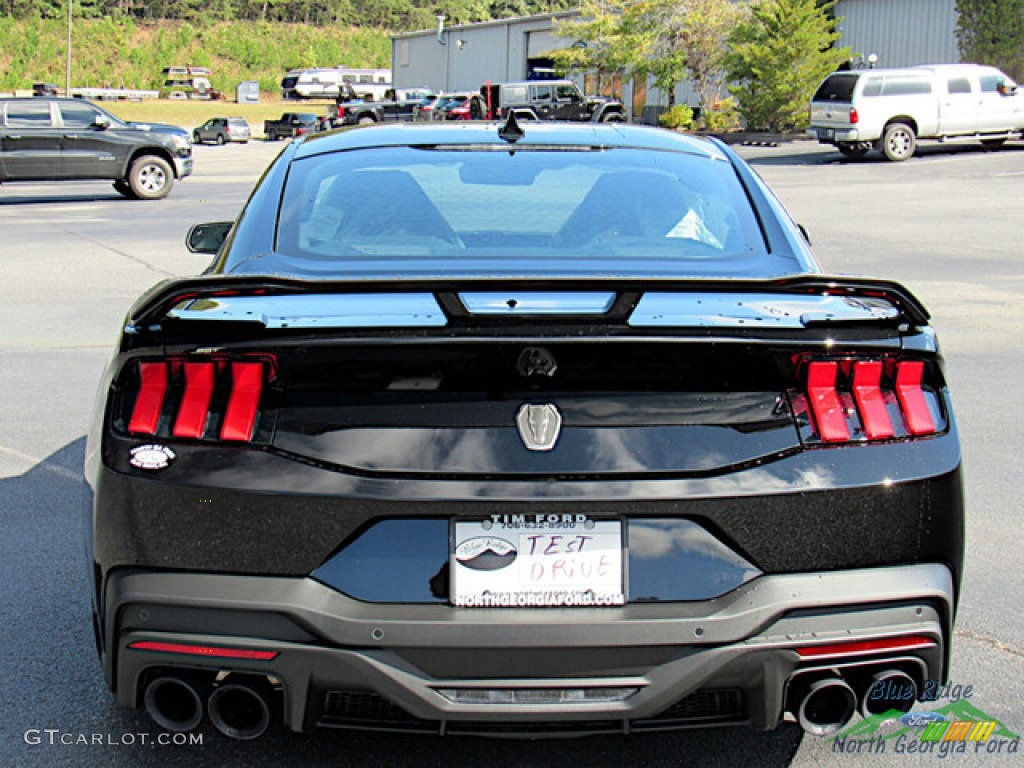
74,256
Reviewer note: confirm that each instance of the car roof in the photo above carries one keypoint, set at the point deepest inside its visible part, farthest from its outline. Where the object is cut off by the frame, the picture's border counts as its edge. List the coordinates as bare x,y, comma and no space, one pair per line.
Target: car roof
534,82
922,70
618,135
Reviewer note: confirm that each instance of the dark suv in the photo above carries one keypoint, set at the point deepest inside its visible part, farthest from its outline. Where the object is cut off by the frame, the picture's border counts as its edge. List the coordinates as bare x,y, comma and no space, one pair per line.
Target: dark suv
56,139
549,100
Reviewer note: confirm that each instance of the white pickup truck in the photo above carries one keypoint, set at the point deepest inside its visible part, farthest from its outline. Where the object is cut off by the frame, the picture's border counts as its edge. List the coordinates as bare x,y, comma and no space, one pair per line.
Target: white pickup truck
891,109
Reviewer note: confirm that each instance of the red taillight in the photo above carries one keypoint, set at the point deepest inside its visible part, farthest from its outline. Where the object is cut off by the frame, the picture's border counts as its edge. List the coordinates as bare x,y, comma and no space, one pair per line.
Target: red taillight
868,400
204,650
341,112
909,377
214,398
854,117
871,403
823,396
240,417
857,648
195,404
150,400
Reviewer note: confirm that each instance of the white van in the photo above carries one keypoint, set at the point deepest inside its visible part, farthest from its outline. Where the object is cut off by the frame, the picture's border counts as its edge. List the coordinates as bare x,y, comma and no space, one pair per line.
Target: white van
891,109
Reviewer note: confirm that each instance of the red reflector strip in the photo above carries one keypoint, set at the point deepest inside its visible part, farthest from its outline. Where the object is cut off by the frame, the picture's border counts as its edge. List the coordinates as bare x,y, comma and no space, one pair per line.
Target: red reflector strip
195,404
204,650
246,386
916,413
867,646
867,392
824,401
150,400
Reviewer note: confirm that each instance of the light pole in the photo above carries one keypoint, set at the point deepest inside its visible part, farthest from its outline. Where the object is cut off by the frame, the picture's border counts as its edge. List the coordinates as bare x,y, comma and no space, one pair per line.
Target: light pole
67,71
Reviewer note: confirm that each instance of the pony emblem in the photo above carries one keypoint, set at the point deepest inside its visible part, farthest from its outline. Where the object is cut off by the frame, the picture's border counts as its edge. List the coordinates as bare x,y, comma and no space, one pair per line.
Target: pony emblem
539,426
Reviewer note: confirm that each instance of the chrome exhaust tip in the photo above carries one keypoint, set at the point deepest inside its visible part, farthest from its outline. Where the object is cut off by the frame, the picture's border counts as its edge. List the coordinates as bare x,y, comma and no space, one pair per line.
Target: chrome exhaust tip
890,689
174,704
828,705
239,711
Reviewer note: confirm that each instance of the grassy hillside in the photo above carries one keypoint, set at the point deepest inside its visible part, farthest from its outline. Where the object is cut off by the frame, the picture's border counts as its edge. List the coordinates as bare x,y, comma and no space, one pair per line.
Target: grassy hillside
132,54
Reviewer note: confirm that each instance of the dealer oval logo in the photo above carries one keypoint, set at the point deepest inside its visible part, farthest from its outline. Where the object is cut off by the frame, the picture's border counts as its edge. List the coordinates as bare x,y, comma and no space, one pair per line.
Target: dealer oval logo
151,457
486,553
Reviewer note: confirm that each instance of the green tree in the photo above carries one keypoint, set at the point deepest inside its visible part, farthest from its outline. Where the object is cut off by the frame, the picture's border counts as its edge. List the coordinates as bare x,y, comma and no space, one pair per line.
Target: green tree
992,32
668,40
606,37
780,53
688,39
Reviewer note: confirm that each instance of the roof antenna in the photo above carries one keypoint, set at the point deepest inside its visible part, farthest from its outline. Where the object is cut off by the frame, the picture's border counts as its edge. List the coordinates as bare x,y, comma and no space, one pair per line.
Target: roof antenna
510,130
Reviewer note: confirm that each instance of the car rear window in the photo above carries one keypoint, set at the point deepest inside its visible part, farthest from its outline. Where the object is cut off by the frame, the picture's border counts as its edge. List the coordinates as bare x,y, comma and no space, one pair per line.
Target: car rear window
674,212
837,87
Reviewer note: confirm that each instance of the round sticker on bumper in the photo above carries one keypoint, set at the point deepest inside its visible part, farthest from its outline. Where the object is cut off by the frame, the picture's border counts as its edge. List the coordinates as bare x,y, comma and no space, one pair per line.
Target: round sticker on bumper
151,457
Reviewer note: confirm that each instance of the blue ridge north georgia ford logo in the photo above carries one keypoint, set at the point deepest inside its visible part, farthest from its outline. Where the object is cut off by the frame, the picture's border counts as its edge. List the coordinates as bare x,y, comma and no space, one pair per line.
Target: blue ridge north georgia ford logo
486,553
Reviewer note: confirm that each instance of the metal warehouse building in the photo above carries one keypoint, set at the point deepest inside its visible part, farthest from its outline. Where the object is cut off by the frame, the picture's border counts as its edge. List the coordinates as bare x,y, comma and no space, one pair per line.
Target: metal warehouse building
462,57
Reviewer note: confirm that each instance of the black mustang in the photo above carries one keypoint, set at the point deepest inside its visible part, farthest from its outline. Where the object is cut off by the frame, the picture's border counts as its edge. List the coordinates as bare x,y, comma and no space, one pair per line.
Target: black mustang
523,428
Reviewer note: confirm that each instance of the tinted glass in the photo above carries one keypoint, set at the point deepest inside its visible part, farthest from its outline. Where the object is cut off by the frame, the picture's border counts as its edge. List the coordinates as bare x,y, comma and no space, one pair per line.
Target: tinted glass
905,87
568,93
28,114
78,115
872,87
959,85
669,212
990,83
837,87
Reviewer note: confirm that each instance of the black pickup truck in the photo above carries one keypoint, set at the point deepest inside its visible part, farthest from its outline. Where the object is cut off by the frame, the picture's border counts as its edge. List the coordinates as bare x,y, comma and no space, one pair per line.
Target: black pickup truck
61,139
290,125
400,108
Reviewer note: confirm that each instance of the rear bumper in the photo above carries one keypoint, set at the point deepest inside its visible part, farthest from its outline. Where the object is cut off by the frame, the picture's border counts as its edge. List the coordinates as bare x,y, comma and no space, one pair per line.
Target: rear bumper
728,660
837,135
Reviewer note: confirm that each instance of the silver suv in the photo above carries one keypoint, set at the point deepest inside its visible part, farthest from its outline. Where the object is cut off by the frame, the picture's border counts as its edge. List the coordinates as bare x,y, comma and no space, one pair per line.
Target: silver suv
221,130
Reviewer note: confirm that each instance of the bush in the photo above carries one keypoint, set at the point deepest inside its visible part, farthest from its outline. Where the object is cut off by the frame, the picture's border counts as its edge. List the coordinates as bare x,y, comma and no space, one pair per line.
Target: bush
677,118
724,116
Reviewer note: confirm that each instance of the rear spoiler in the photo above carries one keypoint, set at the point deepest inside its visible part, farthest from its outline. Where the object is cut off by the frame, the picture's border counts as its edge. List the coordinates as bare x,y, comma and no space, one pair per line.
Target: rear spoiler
634,301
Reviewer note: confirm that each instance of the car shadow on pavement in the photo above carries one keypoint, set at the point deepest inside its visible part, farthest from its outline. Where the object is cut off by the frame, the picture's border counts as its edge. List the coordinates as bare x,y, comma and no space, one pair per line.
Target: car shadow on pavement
56,708
810,154
98,195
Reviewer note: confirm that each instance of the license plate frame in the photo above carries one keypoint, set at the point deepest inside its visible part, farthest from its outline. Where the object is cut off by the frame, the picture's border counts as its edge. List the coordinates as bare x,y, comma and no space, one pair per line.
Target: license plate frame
537,561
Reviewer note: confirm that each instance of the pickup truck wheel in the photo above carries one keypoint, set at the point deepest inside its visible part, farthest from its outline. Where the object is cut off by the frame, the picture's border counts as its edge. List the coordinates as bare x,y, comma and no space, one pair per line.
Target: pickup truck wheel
365,120
150,177
853,151
613,117
196,139
271,135
899,142
220,139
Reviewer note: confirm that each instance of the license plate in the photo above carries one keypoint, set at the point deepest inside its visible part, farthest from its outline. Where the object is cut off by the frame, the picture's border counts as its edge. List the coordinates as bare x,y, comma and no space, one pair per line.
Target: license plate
826,133
537,560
